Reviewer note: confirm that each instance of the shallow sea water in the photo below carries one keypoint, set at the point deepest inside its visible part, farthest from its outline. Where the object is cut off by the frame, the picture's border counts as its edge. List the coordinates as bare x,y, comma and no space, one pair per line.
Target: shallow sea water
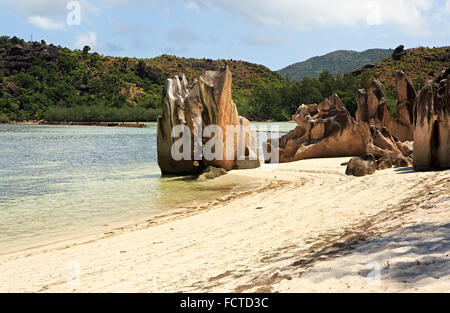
61,180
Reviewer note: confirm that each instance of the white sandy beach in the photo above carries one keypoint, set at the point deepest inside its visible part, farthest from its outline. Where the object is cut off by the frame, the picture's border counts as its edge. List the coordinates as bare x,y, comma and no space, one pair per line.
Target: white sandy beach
311,228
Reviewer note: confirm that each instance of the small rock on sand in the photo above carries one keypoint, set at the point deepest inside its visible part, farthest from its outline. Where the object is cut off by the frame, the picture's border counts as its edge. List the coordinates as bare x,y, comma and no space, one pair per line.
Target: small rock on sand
211,173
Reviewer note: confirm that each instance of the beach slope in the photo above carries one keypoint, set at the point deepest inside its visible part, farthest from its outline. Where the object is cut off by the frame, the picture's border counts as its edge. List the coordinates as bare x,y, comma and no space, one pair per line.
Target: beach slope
311,228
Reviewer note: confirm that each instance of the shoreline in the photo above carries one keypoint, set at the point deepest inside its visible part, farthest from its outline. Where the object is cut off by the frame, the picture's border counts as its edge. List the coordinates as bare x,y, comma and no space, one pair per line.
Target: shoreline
108,124
99,124
138,221
263,240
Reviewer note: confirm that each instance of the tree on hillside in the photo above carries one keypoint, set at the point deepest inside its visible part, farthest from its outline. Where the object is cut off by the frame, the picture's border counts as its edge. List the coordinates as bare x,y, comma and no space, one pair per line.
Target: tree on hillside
141,69
327,83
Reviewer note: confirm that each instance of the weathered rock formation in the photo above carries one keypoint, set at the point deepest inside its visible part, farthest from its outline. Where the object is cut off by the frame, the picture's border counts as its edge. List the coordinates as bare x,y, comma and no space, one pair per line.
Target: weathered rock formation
432,125
324,130
406,95
367,164
384,163
399,52
362,166
328,130
382,143
22,57
374,109
363,69
211,173
209,98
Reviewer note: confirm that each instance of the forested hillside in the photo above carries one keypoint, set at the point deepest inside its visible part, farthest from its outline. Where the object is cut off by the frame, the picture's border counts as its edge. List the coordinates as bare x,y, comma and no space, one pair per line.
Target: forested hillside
337,63
419,64
41,81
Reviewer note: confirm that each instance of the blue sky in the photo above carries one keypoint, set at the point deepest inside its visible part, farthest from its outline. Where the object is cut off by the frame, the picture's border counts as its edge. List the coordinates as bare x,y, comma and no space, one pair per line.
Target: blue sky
274,33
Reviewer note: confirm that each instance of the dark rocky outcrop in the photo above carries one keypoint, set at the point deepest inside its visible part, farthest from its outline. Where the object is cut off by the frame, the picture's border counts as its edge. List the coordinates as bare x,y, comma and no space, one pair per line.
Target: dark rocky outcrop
399,52
441,57
13,89
432,125
152,73
363,69
206,65
210,99
19,57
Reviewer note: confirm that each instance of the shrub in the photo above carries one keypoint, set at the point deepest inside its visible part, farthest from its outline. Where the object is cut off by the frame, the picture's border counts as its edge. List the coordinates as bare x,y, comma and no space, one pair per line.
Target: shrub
3,118
97,113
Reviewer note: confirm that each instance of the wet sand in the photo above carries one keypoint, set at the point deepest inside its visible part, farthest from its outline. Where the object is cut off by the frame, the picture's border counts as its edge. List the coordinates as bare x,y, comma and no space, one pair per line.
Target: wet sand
308,228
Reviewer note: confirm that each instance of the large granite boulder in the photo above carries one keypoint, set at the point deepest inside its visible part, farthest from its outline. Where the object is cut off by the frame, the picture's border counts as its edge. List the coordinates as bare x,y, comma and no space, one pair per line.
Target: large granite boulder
362,166
402,126
328,130
374,109
384,163
209,101
432,125
324,130
399,52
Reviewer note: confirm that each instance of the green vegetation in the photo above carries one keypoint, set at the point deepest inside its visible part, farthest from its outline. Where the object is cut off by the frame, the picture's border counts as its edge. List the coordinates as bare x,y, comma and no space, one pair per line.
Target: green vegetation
280,101
74,85
96,113
337,63
3,118
40,81
419,64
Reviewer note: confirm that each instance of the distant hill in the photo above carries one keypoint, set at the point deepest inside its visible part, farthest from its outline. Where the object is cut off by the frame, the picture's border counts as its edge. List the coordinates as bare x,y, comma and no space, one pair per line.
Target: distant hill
337,62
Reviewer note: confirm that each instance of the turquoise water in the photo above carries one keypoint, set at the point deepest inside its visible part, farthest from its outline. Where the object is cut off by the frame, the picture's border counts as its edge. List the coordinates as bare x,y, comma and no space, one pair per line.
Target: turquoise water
60,180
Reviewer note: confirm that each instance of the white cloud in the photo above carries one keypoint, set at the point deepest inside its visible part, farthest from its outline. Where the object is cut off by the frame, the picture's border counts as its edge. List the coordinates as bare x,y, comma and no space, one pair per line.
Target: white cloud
374,16
422,4
409,15
87,39
44,22
32,8
192,6
447,8
50,8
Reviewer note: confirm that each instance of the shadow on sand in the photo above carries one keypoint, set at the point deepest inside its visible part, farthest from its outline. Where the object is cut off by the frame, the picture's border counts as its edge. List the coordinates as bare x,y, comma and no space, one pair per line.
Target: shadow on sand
425,249
405,170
